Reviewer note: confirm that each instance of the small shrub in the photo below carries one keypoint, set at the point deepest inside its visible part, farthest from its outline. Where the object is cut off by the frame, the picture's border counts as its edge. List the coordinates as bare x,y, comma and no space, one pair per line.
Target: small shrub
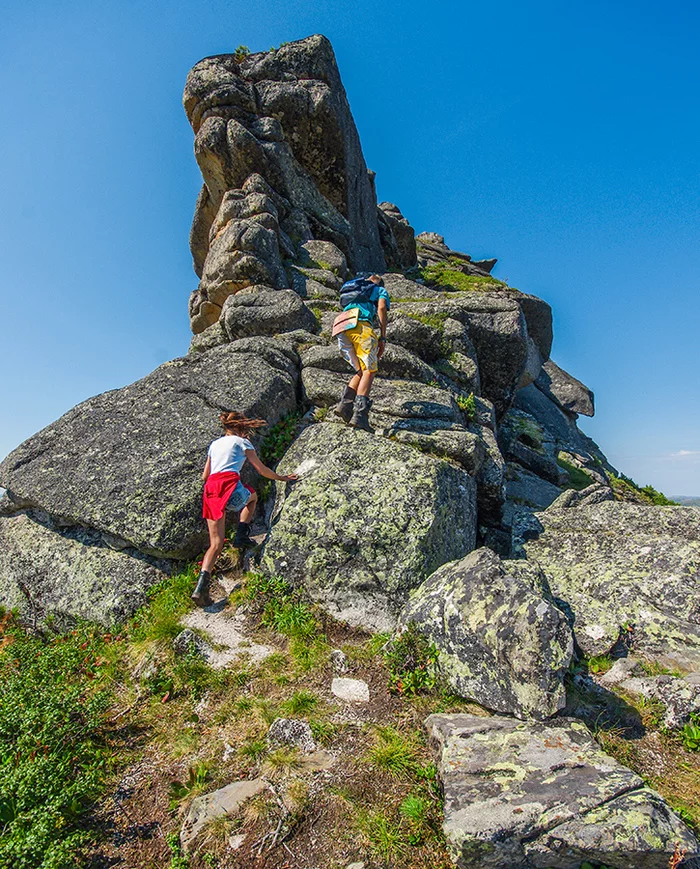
178,860
240,54
690,734
278,438
599,664
196,778
412,663
467,404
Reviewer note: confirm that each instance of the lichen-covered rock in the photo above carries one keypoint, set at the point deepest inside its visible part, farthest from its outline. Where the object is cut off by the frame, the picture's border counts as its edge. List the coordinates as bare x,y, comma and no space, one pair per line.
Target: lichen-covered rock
625,565
368,521
680,697
128,462
293,732
499,642
323,255
70,573
541,795
262,311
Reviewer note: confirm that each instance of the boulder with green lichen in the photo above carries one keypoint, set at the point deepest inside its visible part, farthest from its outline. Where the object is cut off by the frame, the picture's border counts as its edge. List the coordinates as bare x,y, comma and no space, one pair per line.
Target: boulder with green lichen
368,520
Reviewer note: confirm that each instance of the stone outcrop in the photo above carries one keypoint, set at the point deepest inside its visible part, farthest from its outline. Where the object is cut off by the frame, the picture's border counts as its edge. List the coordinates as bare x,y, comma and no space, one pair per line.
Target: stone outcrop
126,463
499,641
544,795
367,522
282,164
626,569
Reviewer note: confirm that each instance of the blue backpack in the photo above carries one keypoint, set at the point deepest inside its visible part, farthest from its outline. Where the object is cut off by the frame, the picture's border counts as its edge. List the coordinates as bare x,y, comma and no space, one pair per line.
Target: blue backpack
357,291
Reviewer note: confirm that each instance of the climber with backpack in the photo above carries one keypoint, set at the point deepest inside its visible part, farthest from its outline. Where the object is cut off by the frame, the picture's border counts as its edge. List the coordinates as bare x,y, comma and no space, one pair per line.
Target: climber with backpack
365,305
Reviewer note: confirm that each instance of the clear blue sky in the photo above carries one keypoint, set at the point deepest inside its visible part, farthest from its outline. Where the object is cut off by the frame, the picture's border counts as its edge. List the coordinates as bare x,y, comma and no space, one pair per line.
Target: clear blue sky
560,137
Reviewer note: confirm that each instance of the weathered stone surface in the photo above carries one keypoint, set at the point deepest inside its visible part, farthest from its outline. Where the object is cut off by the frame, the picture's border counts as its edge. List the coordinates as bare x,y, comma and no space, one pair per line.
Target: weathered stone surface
541,795
524,487
228,632
538,316
350,690
187,642
460,445
339,661
281,118
563,389
261,311
368,520
128,462
680,697
323,255
293,732
617,564
217,804
596,493
402,254
499,642
70,573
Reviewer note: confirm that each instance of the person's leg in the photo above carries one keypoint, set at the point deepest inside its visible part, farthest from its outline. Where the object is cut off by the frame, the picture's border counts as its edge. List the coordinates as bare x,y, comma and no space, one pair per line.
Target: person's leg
365,382
217,533
242,537
344,407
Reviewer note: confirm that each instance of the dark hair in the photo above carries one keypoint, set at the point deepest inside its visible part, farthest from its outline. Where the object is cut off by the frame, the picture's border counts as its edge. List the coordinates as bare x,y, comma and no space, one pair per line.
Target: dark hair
238,424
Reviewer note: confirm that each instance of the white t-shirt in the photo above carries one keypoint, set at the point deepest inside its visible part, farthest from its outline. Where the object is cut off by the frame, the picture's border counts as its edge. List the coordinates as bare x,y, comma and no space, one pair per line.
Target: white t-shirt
228,453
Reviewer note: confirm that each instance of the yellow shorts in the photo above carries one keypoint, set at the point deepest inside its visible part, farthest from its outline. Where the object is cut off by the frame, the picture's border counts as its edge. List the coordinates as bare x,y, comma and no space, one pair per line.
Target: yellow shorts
359,346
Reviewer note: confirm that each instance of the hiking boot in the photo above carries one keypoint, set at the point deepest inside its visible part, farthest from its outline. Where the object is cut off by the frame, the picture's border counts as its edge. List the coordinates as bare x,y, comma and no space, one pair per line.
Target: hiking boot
344,407
242,539
200,595
360,416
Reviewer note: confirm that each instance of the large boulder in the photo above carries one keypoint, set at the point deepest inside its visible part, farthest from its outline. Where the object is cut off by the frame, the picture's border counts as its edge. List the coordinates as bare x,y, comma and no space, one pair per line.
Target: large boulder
545,796
127,463
626,569
499,641
69,573
368,520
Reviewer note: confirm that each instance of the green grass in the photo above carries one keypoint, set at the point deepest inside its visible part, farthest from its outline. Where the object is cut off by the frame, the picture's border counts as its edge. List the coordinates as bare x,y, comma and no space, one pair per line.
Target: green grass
412,663
445,275
159,618
467,404
436,321
300,703
599,664
396,754
578,479
54,758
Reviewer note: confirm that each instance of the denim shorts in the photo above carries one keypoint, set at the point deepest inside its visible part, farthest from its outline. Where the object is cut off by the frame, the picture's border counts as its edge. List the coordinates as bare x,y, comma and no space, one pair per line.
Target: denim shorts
239,497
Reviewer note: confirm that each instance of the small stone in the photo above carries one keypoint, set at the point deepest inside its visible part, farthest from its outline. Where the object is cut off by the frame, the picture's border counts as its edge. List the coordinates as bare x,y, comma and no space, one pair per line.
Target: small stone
235,842
355,866
187,641
229,752
339,661
205,809
351,690
622,669
291,731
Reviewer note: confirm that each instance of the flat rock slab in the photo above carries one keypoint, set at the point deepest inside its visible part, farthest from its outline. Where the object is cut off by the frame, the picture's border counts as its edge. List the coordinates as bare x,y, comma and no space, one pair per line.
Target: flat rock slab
619,564
545,796
226,801
350,690
226,630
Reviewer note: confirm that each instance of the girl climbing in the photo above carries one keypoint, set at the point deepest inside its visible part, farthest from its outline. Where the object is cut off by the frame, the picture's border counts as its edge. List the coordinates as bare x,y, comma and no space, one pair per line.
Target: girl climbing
223,489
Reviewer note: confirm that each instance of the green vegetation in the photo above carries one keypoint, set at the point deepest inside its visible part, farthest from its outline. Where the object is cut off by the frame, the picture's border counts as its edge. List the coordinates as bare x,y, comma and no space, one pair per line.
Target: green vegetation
274,445
436,321
444,275
240,54
412,663
599,664
578,478
467,404
690,734
625,489
53,694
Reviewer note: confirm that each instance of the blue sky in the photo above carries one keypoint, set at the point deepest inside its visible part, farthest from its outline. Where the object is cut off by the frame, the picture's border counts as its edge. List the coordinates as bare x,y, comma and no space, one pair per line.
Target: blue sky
560,137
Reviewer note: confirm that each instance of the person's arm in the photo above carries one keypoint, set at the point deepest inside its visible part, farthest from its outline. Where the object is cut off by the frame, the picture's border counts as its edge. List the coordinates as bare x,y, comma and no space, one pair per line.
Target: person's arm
264,471
207,469
382,313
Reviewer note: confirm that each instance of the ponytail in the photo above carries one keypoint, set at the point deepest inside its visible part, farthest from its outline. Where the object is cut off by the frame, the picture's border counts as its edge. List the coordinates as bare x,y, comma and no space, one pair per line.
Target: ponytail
238,424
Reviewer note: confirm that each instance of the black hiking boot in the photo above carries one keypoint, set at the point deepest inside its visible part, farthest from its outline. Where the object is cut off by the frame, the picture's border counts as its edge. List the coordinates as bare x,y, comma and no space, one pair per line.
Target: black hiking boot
360,417
242,538
200,595
344,407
